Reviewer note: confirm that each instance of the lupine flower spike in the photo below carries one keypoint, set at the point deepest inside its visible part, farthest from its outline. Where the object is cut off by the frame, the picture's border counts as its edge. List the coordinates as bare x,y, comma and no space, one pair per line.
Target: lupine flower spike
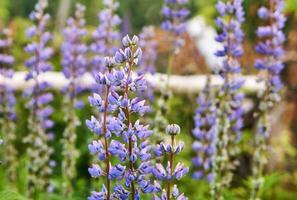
205,134
175,15
134,152
231,15
39,152
270,47
147,63
172,171
7,105
106,36
74,66
174,23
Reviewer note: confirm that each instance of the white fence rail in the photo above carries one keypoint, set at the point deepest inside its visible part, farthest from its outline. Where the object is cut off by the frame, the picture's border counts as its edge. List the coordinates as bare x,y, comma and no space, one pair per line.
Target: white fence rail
178,84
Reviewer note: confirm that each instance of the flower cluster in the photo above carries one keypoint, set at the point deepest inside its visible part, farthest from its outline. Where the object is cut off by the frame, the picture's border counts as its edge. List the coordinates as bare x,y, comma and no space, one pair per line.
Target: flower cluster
270,47
147,63
122,138
106,35
38,151
205,134
171,172
148,45
73,51
231,16
7,104
74,66
175,15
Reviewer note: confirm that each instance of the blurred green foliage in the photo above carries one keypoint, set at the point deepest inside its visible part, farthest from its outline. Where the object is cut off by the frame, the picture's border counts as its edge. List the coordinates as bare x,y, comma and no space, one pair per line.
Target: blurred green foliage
291,5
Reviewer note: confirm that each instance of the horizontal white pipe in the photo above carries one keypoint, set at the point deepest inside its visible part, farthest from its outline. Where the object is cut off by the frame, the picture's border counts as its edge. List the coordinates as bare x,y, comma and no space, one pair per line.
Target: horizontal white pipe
178,84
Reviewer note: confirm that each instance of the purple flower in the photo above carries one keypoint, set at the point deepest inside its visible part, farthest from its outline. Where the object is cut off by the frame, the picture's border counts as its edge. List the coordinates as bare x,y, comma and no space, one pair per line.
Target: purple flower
270,49
95,171
95,147
7,108
159,171
105,36
263,13
173,129
221,8
205,134
171,172
94,125
97,196
117,172
120,192
224,142
73,50
180,171
39,121
175,15
74,65
118,149
147,62
116,107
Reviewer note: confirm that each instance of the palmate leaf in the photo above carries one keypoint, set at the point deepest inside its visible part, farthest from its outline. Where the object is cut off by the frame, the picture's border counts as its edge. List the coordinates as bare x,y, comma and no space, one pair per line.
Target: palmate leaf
10,195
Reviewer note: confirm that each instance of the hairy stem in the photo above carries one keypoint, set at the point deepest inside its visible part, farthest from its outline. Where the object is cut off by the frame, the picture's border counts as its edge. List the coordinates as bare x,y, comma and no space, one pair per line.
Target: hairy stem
128,116
106,144
171,166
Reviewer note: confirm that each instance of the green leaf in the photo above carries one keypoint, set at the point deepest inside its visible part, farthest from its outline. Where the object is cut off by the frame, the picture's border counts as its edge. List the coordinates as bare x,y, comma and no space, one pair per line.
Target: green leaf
271,180
10,195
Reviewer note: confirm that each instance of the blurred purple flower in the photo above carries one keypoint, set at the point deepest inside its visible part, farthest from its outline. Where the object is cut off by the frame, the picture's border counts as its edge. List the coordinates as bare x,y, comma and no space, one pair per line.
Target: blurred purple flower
7,105
231,16
106,36
175,15
38,151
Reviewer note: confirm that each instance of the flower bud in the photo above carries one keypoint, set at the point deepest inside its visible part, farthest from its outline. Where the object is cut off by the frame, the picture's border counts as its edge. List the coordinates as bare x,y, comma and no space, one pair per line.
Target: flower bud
135,40
173,129
126,41
109,62
119,57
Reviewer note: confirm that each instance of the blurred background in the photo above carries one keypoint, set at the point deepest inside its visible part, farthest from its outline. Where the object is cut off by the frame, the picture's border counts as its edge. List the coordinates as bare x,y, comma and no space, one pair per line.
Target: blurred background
195,58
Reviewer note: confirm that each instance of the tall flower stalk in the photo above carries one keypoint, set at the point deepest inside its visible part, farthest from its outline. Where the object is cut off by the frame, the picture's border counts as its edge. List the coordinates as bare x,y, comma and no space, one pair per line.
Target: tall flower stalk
270,48
173,171
174,23
117,121
38,150
147,63
106,36
174,13
7,105
205,134
149,47
231,15
74,66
